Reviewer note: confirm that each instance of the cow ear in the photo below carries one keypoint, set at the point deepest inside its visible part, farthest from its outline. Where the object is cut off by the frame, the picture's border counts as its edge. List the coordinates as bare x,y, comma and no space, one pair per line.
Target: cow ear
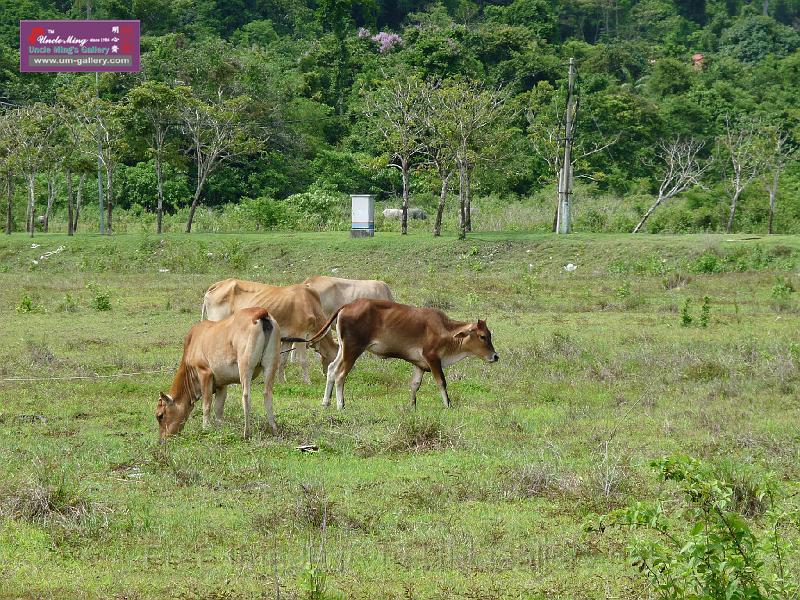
165,398
463,332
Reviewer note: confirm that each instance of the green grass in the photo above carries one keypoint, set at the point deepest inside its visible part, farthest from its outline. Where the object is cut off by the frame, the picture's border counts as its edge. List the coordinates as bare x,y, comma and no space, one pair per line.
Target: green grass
487,500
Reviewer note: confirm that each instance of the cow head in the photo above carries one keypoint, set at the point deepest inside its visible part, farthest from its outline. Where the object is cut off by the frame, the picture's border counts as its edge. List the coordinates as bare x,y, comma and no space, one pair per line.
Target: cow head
476,339
171,415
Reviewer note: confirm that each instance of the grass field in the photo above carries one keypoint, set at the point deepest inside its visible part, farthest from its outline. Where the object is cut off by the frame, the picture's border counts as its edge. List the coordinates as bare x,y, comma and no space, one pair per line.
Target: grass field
490,499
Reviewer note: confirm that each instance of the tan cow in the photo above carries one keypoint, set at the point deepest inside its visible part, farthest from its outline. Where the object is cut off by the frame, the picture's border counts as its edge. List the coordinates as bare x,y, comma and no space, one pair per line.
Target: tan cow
335,292
425,337
215,355
296,308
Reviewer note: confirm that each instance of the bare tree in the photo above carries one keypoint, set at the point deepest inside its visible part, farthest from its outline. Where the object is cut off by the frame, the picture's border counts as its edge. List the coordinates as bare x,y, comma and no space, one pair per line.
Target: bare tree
472,116
396,110
101,123
682,169
742,145
440,148
777,154
36,125
218,133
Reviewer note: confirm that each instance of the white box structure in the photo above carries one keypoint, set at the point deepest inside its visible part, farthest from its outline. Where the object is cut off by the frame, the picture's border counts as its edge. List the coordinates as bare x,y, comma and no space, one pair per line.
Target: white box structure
363,215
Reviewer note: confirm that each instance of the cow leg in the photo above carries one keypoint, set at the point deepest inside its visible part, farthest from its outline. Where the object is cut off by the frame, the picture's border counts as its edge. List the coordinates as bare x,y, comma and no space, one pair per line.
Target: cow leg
207,390
331,377
281,376
416,381
349,356
269,364
301,352
219,403
438,375
246,378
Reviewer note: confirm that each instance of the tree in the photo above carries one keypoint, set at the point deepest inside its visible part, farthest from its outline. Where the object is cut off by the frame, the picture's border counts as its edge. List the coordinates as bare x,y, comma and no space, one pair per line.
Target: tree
81,160
681,170
777,153
439,145
101,123
8,152
218,133
741,143
36,124
471,114
155,107
396,109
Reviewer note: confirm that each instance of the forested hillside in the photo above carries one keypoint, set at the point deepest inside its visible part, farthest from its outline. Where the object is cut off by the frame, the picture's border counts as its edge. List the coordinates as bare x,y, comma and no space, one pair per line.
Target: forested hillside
301,88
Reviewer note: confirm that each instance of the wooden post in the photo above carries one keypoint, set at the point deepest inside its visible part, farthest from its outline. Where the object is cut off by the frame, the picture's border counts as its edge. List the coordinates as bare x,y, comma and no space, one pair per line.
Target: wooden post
565,178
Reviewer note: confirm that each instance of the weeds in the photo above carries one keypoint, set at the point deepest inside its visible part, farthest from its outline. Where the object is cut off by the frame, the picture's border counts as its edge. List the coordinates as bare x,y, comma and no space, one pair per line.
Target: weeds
686,316
705,312
29,305
101,300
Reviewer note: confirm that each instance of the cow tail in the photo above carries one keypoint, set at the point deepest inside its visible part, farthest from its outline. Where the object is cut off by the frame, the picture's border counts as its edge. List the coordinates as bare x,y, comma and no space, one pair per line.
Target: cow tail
316,336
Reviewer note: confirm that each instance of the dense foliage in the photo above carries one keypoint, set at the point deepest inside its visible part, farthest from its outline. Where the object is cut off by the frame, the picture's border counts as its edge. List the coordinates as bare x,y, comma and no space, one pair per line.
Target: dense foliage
291,82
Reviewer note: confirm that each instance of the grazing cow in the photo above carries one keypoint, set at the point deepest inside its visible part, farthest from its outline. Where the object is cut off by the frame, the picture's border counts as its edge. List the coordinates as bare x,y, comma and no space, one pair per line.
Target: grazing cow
296,308
425,337
215,355
335,292
397,213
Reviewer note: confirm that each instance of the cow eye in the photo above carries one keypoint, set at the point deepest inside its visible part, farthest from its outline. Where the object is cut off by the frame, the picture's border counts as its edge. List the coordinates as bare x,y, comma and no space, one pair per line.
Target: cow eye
160,416
483,337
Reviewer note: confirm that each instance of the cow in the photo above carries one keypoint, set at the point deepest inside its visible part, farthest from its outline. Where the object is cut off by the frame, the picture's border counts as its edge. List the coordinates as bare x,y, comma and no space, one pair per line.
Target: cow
335,292
215,355
296,308
397,213
425,337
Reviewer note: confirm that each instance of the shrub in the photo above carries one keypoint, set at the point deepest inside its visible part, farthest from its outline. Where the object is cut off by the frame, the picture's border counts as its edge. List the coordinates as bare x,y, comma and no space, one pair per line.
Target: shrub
706,263
686,317
782,289
704,548
28,305
705,312
101,300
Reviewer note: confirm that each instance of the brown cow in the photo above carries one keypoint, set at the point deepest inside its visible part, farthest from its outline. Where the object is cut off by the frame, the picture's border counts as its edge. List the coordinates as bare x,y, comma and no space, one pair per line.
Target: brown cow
425,337
296,308
215,355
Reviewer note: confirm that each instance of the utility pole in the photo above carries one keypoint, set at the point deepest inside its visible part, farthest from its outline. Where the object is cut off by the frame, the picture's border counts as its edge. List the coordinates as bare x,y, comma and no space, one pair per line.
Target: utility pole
563,224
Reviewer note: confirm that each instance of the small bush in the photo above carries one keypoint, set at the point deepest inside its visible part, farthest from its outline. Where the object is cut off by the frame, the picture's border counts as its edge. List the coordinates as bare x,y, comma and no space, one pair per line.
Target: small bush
686,316
28,305
101,300
68,304
706,548
706,263
705,312
782,289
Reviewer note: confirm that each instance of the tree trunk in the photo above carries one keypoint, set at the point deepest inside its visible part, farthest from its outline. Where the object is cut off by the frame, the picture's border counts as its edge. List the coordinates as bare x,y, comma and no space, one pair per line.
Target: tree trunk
468,203
31,225
109,198
437,226
9,206
51,196
160,183
766,8
646,216
69,201
404,223
195,202
78,201
734,200
462,187
773,193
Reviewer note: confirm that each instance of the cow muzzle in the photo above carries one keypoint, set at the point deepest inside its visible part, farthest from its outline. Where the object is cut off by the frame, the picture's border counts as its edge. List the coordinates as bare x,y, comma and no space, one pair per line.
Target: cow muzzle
493,358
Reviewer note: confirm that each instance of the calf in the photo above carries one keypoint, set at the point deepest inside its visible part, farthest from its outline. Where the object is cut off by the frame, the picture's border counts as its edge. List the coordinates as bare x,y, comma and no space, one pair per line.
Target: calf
425,337
215,355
